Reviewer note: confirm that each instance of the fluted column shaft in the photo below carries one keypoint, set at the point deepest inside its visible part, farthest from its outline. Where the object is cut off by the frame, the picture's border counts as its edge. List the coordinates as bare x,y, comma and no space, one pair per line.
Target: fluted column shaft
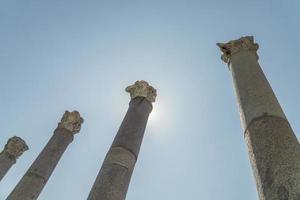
12,150
34,180
274,150
114,177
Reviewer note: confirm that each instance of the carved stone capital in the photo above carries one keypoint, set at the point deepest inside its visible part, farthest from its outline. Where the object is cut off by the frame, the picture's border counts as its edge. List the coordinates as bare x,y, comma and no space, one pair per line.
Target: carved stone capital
15,147
234,46
71,121
142,89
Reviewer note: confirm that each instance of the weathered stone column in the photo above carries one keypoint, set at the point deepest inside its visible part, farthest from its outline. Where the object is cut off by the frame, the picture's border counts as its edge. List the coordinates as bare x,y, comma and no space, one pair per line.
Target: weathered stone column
34,180
113,179
13,149
274,150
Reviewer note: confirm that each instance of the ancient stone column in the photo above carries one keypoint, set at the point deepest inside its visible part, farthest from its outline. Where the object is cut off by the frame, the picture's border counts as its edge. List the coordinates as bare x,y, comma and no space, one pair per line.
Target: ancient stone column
113,179
274,150
13,149
34,180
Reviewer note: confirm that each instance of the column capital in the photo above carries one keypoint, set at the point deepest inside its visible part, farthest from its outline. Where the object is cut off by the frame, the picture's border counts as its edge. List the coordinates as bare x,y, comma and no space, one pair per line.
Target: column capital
234,46
71,121
142,89
15,147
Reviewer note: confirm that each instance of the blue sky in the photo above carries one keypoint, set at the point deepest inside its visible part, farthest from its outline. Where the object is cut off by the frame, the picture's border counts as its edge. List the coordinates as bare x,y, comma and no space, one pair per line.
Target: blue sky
71,54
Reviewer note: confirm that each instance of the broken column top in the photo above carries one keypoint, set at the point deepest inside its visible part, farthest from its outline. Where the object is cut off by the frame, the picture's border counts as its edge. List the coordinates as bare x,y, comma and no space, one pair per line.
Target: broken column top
71,121
234,46
15,147
142,89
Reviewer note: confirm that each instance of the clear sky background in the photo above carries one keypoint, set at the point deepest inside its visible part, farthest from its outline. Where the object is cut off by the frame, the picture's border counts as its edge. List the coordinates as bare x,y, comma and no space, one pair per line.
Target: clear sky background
59,55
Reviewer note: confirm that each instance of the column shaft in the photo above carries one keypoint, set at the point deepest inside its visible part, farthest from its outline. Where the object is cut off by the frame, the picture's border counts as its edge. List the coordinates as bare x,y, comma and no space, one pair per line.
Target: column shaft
274,150
34,180
6,162
114,177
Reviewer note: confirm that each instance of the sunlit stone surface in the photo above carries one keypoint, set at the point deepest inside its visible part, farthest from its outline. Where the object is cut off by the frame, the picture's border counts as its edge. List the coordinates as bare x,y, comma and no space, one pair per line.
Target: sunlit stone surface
142,89
274,150
114,177
13,149
34,180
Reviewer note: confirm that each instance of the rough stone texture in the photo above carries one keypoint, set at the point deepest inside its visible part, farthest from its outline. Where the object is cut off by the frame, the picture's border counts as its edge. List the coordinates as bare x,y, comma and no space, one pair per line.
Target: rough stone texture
112,183
29,188
235,46
142,89
13,149
71,121
254,93
273,148
6,162
120,156
34,180
274,153
114,177
131,132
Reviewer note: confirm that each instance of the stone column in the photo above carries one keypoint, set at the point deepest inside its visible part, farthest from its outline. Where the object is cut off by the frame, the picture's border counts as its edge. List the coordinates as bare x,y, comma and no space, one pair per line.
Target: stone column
274,150
113,179
13,149
34,180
